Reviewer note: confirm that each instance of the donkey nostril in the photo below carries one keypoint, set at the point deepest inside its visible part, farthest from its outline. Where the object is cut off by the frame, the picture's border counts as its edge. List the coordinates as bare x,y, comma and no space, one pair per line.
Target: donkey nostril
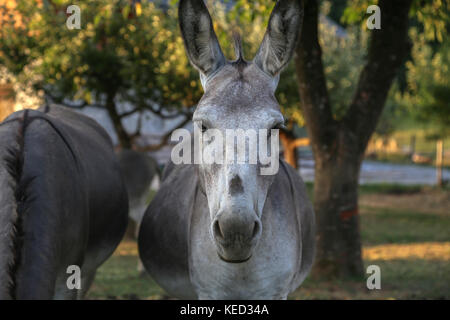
217,230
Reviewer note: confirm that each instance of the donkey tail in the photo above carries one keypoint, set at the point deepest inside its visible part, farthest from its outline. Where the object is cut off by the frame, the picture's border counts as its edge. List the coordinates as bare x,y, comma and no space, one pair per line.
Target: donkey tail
11,145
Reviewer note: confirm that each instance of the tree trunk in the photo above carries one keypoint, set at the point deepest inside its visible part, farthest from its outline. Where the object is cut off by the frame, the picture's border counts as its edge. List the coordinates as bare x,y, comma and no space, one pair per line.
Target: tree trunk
336,205
339,145
122,135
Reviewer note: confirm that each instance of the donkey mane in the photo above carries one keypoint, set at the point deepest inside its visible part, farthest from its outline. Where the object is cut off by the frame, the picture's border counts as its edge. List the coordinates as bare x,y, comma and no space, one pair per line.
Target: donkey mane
14,163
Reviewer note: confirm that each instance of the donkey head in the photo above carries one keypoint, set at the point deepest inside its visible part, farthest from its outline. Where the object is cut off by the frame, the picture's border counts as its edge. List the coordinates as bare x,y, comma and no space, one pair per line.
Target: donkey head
239,95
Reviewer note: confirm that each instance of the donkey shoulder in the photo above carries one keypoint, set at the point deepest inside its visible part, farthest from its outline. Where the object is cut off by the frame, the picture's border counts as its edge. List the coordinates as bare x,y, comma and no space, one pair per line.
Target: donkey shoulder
164,232
305,219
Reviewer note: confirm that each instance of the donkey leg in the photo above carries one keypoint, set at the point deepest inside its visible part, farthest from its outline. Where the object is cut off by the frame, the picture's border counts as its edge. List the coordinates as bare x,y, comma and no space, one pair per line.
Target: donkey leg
140,265
86,281
62,291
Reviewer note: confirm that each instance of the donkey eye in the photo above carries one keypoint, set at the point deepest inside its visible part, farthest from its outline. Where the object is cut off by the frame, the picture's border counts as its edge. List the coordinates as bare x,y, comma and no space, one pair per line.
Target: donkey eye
204,129
278,126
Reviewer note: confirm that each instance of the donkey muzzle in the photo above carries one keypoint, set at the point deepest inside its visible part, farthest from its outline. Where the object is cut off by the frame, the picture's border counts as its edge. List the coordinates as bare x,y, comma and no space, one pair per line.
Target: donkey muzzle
235,234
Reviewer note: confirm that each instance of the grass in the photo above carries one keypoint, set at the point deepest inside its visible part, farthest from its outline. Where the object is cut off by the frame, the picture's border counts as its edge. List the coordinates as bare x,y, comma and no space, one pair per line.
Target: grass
386,226
400,279
412,248
378,188
119,278
386,188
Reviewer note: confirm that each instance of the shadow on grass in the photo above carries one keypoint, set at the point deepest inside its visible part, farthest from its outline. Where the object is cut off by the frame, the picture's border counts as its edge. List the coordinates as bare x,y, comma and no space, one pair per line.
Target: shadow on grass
381,225
400,279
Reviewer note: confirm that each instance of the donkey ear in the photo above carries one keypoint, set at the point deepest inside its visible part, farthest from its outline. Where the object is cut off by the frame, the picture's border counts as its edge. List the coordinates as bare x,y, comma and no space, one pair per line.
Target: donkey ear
202,46
281,36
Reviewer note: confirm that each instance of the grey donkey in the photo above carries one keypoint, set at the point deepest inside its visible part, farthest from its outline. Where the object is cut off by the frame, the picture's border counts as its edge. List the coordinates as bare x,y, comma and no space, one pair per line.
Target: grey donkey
63,203
224,231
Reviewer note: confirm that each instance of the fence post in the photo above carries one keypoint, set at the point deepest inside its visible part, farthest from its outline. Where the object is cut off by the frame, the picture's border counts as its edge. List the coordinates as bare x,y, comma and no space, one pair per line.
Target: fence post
439,161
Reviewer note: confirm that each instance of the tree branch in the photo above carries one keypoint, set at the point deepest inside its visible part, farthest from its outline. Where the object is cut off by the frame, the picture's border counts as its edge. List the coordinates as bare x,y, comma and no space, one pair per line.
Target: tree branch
165,138
128,113
153,108
388,48
122,134
72,105
312,84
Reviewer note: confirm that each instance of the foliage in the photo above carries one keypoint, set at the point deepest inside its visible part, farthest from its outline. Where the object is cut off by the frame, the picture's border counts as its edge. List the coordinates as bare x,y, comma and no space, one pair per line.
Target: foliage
124,52
424,104
117,51
421,90
23,93
394,111
343,59
432,16
429,84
